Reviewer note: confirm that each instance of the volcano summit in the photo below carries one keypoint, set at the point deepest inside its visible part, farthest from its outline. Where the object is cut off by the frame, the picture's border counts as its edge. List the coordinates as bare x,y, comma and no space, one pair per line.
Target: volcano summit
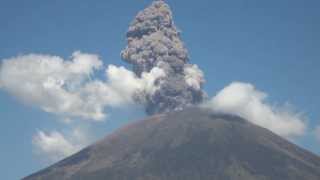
190,144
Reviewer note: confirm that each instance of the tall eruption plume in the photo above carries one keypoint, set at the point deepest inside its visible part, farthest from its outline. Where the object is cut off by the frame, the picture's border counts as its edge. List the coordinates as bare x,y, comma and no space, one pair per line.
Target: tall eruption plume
154,42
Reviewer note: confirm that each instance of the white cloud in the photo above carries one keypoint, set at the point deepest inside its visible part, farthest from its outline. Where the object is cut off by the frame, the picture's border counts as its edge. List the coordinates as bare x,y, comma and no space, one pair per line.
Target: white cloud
194,76
125,84
50,82
54,146
244,100
64,87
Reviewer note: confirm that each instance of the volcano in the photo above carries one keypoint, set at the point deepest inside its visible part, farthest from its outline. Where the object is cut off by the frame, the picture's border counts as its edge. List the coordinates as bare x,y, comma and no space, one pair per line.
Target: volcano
188,145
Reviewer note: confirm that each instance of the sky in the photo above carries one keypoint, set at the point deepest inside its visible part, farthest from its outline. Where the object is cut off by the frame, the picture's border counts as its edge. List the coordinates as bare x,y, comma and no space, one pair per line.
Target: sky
271,47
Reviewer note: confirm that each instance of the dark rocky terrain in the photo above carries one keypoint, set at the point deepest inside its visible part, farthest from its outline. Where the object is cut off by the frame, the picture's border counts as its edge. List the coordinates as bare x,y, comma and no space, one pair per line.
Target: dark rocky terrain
188,145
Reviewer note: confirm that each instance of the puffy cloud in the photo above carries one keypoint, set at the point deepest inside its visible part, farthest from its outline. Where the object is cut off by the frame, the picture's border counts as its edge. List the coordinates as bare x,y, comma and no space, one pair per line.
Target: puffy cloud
194,77
50,82
64,87
125,84
54,146
244,100
122,88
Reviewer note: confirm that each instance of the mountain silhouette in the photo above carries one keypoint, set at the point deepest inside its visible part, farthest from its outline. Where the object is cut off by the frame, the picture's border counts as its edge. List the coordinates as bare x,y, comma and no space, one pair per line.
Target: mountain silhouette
188,145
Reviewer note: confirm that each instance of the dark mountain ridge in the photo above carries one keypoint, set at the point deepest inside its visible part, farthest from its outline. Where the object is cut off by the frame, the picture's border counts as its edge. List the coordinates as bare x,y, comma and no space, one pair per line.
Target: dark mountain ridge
188,145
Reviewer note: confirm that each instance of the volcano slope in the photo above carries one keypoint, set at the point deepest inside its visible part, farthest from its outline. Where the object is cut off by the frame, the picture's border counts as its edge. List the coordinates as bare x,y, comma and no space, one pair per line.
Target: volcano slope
188,145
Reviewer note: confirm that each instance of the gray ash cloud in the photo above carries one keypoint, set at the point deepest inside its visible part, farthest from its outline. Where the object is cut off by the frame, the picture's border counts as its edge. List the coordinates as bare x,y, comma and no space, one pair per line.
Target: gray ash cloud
154,41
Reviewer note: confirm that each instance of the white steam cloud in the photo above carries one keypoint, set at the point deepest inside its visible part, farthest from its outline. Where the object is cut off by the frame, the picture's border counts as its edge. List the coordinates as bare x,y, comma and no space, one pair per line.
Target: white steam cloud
244,100
54,146
194,77
64,87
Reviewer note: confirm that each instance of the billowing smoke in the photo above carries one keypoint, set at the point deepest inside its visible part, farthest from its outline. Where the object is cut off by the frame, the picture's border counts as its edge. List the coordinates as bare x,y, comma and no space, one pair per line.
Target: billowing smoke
154,41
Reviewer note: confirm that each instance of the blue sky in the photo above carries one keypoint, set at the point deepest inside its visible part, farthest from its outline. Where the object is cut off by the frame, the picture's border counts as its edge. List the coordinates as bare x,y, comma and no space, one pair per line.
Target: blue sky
274,45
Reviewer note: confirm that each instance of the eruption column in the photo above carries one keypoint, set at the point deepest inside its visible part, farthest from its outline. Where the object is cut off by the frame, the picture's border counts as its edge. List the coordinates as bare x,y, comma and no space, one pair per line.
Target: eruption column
154,41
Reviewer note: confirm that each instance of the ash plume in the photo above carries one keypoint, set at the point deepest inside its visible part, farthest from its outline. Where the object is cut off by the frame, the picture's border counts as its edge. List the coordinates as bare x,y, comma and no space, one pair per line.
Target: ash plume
154,42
